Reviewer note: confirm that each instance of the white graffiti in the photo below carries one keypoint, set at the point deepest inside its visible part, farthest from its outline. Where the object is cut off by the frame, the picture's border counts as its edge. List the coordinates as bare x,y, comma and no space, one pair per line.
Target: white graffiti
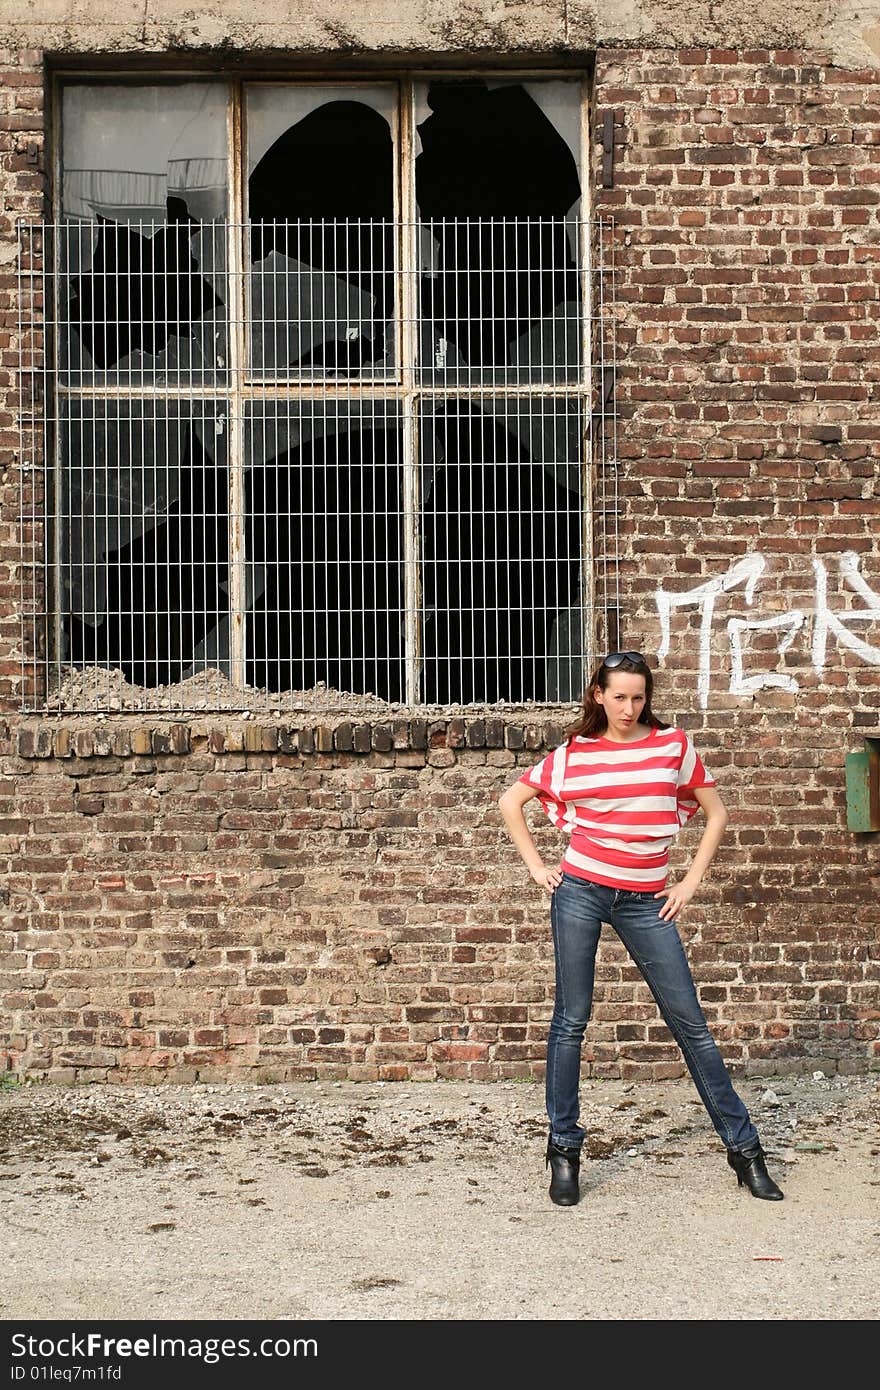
824,619
744,685
748,569
748,572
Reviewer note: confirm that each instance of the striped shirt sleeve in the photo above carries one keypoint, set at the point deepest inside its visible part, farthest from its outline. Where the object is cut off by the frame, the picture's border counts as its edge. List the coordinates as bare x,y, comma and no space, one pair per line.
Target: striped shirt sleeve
534,776
548,777
692,773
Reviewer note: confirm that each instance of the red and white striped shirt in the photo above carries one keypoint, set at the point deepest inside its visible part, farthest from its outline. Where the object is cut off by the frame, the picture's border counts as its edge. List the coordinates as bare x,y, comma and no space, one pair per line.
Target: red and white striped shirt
622,803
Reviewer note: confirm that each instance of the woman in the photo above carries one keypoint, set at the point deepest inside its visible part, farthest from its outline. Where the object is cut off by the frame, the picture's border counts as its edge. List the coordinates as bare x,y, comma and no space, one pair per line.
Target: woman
622,785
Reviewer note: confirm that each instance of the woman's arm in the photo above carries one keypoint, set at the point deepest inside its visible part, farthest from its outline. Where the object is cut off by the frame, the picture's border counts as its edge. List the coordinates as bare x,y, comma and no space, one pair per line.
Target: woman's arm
511,803
678,895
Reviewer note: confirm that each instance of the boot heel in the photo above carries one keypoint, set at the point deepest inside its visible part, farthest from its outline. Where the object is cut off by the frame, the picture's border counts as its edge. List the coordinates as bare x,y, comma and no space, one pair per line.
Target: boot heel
750,1167
564,1164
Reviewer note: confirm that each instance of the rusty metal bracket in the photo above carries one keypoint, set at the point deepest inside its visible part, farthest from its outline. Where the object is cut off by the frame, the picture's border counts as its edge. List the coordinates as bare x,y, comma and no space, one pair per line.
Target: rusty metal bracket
608,150
605,408
863,788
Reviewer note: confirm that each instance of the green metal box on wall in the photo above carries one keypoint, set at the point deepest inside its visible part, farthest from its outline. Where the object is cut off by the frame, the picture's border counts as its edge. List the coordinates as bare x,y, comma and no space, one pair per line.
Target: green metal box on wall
863,787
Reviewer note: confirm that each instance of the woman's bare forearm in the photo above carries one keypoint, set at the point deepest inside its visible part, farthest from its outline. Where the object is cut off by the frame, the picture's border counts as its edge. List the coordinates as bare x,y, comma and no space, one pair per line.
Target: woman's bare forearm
517,828
716,824
679,894
513,811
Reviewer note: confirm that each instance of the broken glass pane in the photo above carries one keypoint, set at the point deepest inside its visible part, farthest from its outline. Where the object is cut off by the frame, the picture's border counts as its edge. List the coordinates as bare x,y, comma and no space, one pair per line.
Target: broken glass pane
501,506
144,537
498,195
142,245
324,546
321,234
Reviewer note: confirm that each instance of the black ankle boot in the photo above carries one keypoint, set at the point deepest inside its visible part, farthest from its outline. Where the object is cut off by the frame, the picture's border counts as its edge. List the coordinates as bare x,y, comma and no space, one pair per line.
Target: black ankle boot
750,1168
565,1164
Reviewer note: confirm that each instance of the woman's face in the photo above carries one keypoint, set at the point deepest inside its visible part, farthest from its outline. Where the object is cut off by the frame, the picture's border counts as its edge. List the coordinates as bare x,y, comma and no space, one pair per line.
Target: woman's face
623,700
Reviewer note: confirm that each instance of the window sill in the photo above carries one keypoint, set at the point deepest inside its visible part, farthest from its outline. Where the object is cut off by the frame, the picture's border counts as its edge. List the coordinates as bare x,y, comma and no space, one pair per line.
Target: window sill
84,739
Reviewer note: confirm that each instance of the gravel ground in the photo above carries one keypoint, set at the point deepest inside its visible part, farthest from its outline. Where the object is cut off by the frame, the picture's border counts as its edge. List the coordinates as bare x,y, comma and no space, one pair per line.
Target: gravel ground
429,1201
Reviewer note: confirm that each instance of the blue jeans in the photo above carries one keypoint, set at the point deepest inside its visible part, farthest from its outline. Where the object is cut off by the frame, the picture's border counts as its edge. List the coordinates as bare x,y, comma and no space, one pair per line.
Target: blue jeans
577,910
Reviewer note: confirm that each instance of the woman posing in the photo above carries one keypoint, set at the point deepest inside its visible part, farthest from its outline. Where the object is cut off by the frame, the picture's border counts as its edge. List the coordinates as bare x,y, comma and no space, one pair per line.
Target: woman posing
622,785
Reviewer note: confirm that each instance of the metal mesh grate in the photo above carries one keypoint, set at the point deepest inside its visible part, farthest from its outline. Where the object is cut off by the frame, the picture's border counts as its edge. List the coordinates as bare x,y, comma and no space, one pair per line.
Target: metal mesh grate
376,458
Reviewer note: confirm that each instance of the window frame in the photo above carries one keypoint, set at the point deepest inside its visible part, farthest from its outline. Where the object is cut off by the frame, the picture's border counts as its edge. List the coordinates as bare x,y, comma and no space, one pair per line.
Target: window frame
401,385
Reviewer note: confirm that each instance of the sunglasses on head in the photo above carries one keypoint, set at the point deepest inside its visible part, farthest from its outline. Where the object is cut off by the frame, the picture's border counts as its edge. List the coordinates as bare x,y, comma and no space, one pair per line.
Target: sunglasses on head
615,658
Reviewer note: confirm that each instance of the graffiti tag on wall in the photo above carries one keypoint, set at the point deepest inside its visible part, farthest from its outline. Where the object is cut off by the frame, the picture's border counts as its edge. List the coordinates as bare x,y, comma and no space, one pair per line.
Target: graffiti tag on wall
826,622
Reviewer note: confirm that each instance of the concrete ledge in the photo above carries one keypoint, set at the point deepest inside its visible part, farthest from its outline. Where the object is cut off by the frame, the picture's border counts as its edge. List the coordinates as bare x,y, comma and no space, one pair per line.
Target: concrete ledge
849,29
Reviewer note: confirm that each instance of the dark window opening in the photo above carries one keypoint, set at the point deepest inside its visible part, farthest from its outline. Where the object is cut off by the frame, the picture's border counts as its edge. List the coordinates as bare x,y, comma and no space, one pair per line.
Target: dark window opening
395,403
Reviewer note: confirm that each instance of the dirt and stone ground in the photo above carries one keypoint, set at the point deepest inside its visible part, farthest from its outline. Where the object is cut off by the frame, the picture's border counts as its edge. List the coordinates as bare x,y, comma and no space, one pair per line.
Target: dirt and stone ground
429,1201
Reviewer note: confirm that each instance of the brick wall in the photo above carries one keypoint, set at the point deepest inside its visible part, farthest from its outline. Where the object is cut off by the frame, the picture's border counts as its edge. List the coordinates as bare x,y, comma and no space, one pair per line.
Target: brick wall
22,185
282,901
746,193
299,899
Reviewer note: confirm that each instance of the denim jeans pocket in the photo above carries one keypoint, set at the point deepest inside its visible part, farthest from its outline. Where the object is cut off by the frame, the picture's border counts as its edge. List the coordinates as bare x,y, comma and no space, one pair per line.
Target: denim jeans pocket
578,881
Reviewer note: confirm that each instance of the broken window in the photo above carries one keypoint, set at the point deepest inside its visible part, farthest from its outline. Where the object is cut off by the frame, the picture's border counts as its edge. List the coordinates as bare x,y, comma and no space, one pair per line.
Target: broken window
144,540
142,244
498,198
320,206
321,417
500,543
324,545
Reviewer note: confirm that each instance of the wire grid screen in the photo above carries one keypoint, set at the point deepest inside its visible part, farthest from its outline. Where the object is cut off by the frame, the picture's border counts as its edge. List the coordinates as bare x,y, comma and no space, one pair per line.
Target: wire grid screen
370,458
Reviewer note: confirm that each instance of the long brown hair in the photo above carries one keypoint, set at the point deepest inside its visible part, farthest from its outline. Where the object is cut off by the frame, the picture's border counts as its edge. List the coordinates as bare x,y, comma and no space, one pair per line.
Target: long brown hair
592,720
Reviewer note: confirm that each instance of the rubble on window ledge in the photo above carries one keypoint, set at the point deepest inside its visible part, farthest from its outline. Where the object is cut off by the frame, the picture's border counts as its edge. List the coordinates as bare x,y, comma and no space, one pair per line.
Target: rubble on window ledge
100,691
